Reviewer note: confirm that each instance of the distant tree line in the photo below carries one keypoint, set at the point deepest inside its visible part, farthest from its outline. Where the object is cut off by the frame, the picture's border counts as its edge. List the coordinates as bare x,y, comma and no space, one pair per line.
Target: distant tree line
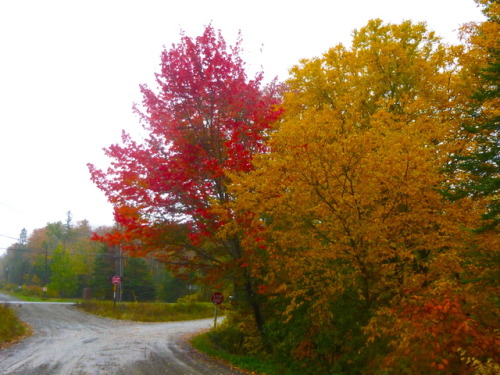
63,258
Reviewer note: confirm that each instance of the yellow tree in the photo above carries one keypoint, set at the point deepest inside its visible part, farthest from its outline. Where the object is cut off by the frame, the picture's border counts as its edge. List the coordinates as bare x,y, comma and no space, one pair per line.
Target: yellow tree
346,207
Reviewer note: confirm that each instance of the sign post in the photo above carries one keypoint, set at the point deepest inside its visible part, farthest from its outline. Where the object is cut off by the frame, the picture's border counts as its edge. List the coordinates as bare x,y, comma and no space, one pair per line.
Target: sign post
115,280
217,298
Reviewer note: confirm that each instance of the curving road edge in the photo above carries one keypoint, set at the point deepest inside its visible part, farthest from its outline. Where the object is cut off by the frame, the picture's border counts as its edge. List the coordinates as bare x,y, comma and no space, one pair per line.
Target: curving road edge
67,341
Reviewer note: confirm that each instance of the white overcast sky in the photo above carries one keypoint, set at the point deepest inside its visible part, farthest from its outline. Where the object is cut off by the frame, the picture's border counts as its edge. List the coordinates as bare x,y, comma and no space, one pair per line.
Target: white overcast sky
70,71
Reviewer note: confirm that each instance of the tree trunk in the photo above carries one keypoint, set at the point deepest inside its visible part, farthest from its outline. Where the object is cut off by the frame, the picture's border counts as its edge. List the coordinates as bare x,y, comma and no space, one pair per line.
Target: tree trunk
258,315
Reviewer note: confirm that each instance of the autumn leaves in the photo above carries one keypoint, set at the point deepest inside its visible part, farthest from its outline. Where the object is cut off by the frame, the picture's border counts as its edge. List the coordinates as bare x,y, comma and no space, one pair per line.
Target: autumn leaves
348,198
320,202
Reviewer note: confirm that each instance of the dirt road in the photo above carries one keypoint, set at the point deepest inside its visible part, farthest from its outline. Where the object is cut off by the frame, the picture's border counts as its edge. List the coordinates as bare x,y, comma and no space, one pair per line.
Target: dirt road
67,341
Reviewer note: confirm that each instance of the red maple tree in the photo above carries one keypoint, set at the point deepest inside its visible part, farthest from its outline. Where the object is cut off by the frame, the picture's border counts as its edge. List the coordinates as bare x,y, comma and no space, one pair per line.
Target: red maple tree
205,119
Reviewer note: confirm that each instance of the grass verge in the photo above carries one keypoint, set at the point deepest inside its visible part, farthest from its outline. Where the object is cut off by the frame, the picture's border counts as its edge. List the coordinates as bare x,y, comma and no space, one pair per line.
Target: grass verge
39,299
149,312
31,298
247,363
11,328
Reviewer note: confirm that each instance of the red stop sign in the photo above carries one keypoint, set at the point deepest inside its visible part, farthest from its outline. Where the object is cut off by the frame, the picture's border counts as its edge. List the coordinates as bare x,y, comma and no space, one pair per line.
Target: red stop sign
217,298
116,280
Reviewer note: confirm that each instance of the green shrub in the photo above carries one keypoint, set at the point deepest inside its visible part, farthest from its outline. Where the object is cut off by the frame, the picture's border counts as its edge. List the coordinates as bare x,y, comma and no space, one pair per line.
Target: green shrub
10,326
149,312
30,291
253,363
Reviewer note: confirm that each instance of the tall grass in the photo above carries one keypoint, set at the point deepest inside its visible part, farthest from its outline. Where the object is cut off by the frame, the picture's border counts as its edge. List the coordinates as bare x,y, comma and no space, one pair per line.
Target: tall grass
149,312
253,363
11,328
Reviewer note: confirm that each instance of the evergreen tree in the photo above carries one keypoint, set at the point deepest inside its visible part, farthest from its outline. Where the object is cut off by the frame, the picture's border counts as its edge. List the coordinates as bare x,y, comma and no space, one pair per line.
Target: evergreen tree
171,288
23,236
138,284
103,271
481,167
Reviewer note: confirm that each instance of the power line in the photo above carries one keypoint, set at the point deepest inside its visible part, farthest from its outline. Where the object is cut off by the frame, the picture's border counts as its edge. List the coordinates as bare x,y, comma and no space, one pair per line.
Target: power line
69,252
12,238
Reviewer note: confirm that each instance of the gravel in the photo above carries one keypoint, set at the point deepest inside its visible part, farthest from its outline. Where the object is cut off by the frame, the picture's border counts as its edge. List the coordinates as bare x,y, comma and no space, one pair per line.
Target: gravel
67,341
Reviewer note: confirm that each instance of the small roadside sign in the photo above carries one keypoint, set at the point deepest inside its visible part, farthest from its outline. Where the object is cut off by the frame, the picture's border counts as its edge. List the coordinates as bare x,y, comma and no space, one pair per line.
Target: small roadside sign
116,280
217,298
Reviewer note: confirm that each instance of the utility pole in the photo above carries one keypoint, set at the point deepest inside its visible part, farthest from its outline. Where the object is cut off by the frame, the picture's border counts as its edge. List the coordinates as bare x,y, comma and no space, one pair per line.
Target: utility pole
119,271
46,274
121,275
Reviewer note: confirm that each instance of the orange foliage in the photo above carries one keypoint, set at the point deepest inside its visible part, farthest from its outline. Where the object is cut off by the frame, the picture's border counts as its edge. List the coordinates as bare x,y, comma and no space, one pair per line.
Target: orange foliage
428,333
347,202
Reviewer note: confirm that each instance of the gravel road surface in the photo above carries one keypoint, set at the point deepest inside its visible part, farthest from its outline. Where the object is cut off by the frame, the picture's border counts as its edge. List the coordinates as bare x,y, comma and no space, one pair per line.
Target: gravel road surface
67,341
